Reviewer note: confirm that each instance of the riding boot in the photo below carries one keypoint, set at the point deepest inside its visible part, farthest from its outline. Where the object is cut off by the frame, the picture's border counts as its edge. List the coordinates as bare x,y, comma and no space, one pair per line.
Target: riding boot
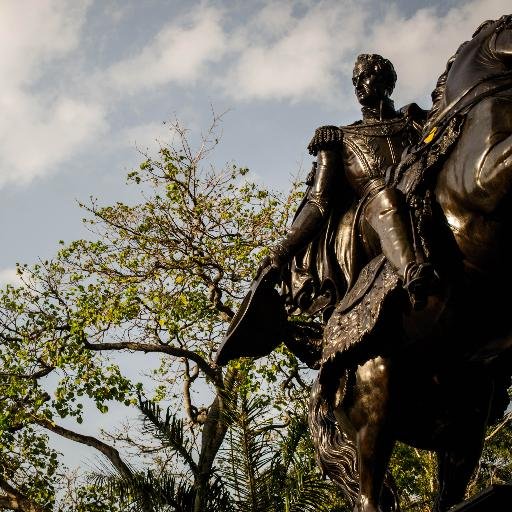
386,213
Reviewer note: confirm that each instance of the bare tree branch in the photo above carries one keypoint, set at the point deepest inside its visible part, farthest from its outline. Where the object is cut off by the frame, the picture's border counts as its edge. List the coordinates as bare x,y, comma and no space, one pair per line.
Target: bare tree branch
208,369
36,375
188,379
111,453
505,420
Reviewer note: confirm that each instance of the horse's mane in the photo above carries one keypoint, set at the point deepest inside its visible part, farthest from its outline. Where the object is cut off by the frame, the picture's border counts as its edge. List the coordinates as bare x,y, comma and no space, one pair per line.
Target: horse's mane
437,94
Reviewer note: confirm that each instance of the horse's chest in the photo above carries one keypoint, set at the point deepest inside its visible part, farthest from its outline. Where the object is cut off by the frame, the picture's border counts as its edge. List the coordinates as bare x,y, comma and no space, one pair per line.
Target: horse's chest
472,202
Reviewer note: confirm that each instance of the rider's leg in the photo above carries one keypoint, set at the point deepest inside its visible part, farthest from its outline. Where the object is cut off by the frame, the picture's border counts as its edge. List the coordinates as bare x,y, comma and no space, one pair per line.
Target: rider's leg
386,212
374,442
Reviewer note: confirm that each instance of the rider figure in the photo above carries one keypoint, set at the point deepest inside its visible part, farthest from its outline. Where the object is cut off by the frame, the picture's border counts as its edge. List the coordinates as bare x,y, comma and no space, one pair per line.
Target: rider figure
358,155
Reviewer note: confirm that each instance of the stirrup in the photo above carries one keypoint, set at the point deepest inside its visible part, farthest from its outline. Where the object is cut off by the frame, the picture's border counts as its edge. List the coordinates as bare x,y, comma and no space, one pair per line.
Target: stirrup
418,282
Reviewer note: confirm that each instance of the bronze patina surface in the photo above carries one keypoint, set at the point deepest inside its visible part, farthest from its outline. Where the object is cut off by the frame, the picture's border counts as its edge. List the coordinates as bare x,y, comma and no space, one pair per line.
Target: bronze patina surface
405,256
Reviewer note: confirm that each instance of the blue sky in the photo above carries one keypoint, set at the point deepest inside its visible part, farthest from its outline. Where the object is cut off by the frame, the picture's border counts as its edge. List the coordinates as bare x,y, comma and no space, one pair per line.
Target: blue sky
84,82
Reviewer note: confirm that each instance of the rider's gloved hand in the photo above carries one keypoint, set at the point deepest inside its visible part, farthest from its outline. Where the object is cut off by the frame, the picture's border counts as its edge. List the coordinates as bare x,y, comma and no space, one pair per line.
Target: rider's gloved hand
274,261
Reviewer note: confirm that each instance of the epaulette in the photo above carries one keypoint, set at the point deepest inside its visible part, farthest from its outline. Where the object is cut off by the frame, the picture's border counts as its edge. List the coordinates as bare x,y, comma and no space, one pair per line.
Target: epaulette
326,137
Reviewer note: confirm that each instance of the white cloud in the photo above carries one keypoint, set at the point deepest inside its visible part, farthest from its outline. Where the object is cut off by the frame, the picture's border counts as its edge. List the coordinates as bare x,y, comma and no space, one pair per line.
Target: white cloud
273,19
33,32
292,50
9,276
178,53
144,136
37,134
305,60
419,46
40,130
308,53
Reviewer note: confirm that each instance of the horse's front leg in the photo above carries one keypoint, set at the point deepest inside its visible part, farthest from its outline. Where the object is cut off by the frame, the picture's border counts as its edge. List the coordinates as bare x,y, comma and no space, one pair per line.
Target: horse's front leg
494,177
455,468
370,415
459,457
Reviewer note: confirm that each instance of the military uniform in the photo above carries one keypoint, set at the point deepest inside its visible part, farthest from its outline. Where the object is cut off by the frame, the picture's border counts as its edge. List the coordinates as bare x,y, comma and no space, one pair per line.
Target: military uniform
330,239
347,216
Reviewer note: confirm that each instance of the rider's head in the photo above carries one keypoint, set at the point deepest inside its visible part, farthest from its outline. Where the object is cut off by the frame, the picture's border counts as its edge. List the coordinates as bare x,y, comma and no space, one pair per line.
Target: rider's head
374,79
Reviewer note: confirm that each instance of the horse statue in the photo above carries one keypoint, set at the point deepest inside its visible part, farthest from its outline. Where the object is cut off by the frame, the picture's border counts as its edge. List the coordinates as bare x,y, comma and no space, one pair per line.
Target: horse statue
434,378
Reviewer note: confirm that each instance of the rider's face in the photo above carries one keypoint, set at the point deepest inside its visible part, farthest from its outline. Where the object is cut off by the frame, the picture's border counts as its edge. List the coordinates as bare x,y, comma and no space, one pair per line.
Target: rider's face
370,87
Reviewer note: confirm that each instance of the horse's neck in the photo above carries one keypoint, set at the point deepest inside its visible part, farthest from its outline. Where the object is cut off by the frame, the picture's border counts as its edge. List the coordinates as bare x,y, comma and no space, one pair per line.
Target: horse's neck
474,186
480,64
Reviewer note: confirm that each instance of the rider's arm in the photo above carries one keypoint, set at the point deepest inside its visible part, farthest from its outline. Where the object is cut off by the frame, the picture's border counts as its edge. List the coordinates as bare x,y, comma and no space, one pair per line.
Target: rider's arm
315,211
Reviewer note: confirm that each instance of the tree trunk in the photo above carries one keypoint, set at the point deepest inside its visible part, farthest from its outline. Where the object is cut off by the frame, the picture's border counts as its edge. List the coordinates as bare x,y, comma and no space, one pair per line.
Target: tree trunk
214,431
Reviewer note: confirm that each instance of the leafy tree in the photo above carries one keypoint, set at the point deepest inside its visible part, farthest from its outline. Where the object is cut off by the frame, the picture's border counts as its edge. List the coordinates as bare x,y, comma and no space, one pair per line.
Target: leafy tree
415,472
163,276
495,466
263,465
37,342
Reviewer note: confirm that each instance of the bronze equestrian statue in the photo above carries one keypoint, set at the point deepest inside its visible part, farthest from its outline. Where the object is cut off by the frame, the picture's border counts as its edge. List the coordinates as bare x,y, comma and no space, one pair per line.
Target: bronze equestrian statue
350,202
408,353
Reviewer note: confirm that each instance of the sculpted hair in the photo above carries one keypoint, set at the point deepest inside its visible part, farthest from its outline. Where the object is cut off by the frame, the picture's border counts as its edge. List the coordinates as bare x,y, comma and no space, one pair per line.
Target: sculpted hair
367,61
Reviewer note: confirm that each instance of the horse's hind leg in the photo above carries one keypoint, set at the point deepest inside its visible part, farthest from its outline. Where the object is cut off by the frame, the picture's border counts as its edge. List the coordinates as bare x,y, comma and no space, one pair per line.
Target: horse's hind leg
369,415
463,448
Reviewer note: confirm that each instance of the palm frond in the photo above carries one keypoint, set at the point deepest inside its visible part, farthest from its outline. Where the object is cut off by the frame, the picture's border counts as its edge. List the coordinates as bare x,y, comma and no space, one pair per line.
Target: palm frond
168,429
148,492
164,492
247,454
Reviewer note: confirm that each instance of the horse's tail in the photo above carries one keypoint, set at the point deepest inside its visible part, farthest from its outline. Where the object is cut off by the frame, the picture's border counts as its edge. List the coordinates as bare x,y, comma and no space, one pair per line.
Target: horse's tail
336,451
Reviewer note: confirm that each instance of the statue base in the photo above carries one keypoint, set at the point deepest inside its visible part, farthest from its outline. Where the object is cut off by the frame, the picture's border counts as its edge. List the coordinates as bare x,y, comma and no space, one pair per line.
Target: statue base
496,498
